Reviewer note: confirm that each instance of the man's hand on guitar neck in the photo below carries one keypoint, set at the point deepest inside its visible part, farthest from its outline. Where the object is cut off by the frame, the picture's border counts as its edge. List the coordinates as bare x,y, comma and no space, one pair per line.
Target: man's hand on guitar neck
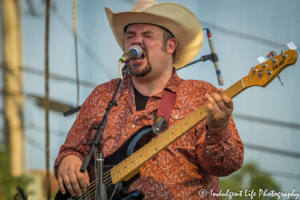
219,109
70,177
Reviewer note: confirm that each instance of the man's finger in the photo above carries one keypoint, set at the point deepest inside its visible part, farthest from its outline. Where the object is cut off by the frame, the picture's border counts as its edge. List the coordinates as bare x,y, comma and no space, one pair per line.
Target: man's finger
61,185
75,184
210,99
87,178
68,185
219,101
227,101
81,179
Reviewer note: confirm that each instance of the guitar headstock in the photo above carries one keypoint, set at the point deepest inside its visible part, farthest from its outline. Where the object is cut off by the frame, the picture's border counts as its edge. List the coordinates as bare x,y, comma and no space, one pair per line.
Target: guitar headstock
264,73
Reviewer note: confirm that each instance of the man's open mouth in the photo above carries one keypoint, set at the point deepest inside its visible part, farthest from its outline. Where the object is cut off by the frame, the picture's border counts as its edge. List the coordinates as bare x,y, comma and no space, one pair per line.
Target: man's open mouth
140,58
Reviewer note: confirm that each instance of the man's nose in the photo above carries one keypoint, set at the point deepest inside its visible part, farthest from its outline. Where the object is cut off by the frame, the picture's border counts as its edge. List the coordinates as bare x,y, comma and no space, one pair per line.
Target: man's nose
138,39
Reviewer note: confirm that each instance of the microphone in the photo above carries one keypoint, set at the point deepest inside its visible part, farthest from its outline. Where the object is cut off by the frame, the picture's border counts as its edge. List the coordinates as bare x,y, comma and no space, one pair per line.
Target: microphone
214,57
134,51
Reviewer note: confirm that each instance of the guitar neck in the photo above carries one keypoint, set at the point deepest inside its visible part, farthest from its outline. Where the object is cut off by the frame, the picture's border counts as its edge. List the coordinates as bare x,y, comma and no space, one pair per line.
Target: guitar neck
125,169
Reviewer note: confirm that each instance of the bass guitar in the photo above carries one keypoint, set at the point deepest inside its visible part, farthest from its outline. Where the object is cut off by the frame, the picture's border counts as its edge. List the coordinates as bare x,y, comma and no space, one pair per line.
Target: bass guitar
128,159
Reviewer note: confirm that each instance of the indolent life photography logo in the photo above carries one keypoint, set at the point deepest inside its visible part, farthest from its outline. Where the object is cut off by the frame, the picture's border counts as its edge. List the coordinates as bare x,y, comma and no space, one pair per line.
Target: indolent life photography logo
250,193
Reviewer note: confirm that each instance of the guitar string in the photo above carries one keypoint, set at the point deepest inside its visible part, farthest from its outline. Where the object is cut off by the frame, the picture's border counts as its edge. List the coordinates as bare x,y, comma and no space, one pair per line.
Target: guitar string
91,187
88,195
93,193
114,191
94,183
84,193
235,87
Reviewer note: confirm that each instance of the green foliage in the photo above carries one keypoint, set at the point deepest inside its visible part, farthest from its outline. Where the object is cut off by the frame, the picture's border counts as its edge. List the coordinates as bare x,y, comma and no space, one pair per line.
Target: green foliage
249,180
8,184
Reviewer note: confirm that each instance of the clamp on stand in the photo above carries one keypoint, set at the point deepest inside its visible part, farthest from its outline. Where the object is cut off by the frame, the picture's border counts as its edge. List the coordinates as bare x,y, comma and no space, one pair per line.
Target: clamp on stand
211,57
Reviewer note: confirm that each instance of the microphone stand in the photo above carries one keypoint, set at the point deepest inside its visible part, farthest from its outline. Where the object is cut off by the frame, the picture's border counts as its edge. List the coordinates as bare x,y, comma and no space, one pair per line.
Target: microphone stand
100,187
203,58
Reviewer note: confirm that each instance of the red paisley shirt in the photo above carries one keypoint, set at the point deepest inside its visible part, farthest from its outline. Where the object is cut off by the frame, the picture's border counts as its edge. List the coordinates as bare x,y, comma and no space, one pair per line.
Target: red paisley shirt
186,169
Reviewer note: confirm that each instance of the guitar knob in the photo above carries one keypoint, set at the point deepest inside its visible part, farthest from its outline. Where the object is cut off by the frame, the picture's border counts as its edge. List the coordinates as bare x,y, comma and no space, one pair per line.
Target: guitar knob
264,65
260,72
254,69
282,54
274,60
269,72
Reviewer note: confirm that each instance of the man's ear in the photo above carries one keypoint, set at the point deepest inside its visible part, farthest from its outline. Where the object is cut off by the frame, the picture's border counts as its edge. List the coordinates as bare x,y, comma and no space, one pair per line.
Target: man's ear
171,45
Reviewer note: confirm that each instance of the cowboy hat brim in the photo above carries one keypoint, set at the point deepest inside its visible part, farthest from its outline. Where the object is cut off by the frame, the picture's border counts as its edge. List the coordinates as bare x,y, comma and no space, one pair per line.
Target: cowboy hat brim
180,21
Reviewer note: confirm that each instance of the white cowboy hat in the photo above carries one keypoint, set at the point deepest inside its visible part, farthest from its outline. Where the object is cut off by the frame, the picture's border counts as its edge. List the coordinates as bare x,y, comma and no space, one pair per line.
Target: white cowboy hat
180,21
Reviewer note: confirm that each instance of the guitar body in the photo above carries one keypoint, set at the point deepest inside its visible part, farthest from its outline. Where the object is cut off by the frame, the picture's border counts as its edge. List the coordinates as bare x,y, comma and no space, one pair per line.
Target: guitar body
138,140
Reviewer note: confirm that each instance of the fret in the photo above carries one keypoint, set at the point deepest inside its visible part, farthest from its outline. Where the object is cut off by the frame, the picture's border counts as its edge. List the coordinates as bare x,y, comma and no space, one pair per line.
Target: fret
168,134
131,161
181,127
147,148
188,117
174,132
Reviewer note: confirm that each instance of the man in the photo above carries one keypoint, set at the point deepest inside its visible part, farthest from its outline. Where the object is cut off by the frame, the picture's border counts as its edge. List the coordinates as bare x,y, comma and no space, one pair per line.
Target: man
170,36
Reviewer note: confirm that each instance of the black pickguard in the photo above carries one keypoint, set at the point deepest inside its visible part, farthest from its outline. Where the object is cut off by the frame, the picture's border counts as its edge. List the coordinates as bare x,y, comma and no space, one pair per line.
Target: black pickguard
134,143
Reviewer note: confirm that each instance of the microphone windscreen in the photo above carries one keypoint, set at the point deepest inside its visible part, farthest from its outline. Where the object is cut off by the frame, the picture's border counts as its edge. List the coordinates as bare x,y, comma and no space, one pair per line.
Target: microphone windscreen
138,49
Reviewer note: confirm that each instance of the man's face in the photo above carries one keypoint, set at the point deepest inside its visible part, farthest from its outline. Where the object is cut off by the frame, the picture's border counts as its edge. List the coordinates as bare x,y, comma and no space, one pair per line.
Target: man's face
150,38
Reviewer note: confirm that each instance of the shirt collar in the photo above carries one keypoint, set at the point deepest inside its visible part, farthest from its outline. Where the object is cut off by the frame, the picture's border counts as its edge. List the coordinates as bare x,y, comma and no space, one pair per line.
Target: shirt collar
171,85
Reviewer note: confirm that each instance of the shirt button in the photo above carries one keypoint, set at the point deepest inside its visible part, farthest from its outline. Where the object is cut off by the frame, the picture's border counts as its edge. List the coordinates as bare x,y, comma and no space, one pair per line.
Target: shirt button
207,151
100,115
134,108
208,136
133,126
176,116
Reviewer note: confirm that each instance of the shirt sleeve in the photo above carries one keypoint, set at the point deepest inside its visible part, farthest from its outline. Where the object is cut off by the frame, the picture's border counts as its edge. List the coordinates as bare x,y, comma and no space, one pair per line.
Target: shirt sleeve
72,146
81,131
220,153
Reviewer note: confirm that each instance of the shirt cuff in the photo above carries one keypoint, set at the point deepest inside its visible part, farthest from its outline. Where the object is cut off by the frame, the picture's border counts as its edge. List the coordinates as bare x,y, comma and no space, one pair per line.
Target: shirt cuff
61,156
212,138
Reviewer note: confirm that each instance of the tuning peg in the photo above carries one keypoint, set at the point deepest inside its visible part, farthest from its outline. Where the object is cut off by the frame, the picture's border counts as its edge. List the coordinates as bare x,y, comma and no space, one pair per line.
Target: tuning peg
291,45
261,59
282,54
